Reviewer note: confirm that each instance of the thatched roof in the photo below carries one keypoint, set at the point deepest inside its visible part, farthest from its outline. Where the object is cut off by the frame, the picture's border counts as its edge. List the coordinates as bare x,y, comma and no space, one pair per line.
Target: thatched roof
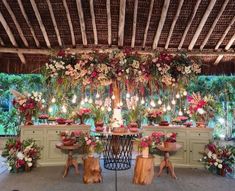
30,28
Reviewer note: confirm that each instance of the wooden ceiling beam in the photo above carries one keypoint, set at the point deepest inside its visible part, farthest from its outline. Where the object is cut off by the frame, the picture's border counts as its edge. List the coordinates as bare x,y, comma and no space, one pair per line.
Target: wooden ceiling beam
172,51
54,22
69,22
214,24
201,24
189,24
147,24
161,23
225,33
16,23
11,37
134,24
173,23
109,22
82,22
93,22
122,13
41,25
28,23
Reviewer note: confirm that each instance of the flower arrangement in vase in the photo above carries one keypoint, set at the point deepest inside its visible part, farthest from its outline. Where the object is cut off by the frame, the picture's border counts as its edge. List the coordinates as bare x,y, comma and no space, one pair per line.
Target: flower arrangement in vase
219,159
154,115
27,105
68,138
169,140
21,155
82,113
201,109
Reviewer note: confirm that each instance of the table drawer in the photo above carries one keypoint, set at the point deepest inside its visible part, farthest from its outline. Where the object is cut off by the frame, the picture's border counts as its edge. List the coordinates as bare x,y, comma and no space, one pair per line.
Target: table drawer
33,132
199,134
54,131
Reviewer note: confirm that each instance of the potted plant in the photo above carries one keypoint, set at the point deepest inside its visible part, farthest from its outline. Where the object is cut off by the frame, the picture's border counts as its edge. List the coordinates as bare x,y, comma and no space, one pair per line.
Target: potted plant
170,140
68,138
145,144
98,114
82,114
134,116
154,115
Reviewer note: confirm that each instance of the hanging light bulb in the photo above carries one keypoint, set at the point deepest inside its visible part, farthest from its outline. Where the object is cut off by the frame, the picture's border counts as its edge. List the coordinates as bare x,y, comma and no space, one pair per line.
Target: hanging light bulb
152,103
74,99
180,113
128,95
164,108
102,108
82,102
64,109
173,102
142,101
109,109
159,102
97,95
185,93
86,99
136,98
90,100
113,97
177,96
121,104
53,100
168,107
50,109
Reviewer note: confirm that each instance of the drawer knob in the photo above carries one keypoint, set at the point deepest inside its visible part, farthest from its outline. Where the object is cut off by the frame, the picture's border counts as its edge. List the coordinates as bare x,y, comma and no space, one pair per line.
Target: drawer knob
185,151
199,134
191,151
33,131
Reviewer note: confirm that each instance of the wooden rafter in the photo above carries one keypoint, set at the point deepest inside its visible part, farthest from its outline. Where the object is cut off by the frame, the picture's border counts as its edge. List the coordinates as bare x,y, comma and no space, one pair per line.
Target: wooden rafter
39,19
201,24
83,50
69,22
82,22
122,13
173,23
11,37
225,33
93,22
147,24
214,24
16,23
161,23
109,22
134,24
227,47
54,22
189,24
28,23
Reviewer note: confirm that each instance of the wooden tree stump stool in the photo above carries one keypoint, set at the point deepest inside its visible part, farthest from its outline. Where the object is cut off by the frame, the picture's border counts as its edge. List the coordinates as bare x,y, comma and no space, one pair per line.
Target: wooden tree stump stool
144,170
92,170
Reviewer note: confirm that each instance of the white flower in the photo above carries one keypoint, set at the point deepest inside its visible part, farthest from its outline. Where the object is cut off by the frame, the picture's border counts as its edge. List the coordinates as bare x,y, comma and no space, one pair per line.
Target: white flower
30,164
20,155
209,154
205,157
201,111
215,163
214,156
220,166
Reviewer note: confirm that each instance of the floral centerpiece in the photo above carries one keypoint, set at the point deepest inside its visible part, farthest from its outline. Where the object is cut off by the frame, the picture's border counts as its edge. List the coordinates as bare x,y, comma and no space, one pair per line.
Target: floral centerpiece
98,112
68,138
145,144
201,109
218,159
154,115
83,114
169,139
21,156
180,120
27,105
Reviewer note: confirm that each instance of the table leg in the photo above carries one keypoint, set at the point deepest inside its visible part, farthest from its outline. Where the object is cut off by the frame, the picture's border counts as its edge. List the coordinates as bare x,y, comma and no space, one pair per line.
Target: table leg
70,161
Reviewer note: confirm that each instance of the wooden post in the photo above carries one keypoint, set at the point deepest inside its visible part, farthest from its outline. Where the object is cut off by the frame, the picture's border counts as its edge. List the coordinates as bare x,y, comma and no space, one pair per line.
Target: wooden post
92,170
144,170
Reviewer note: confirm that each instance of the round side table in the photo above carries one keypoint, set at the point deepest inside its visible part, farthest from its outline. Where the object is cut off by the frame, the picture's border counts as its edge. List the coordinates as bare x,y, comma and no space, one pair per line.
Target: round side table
70,160
166,162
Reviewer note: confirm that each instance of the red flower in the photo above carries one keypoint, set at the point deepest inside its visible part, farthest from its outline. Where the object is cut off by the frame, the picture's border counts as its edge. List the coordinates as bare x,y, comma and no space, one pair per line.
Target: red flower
94,74
61,53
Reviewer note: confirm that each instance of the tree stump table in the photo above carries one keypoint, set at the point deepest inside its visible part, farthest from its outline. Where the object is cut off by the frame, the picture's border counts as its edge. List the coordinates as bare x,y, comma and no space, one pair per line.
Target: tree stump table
70,160
166,162
144,170
92,170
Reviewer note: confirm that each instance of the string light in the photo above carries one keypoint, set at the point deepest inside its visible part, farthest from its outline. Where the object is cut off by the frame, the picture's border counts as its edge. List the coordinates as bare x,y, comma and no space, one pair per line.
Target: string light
90,100
50,109
142,101
121,104
173,102
159,102
74,99
82,102
97,95
152,103
128,95
53,100
164,108
184,93
113,97
64,109
180,113
177,96
136,98
86,99
102,108
168,107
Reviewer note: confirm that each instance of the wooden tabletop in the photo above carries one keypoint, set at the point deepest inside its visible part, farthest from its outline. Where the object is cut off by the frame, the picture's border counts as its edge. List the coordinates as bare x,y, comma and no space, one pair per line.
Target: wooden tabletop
170,149
63,147
118,134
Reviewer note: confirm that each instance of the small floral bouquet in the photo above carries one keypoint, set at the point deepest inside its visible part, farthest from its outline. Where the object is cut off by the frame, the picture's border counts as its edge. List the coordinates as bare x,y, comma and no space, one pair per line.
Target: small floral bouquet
83,114
92,144
170,137
21,156
68,138
218,159
158,137
145,145
154,115
27,105
180,120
